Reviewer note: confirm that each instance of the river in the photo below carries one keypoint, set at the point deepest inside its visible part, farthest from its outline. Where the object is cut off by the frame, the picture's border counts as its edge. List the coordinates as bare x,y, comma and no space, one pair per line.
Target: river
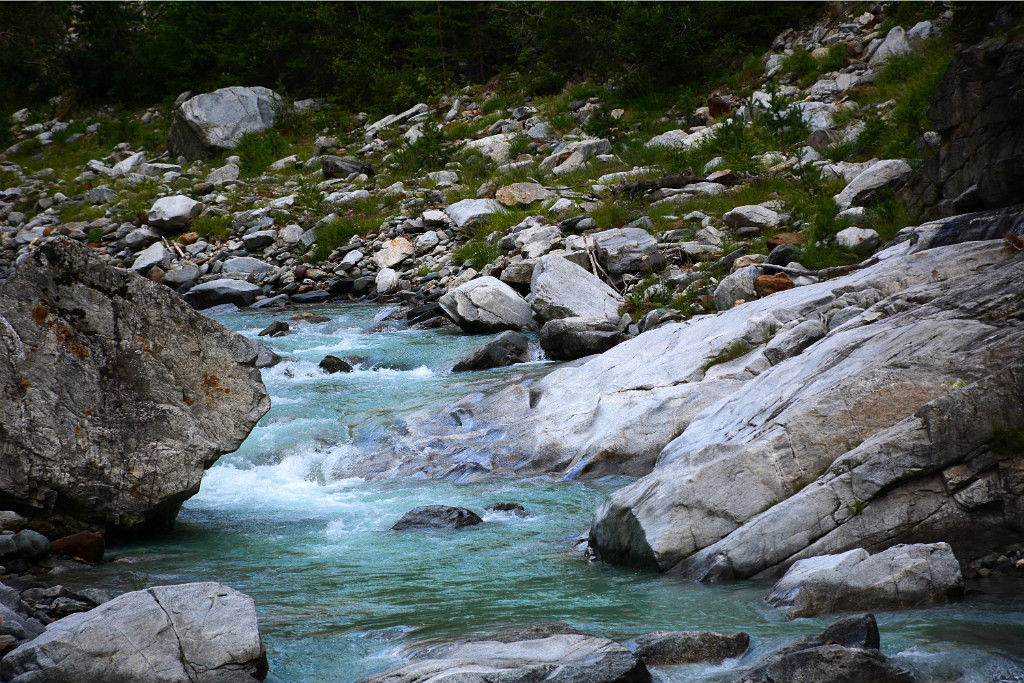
340,596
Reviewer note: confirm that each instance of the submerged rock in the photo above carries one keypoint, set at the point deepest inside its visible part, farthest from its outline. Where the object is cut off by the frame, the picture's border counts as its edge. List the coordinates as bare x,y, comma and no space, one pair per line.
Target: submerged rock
189,633
149,394
902,576
437,517
333,364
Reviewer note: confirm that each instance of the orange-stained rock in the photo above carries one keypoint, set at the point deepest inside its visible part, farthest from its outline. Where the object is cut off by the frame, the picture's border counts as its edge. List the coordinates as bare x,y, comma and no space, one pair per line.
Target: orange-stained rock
87,545
769,284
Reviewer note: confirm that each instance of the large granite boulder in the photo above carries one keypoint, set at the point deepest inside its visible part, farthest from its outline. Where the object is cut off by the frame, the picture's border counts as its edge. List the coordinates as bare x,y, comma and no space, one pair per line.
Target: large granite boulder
559,658
867,438
189,633
115,395
868,187
508,348
208,124
623,250
486,305
170,214
902,576
975,109
572,338
561,289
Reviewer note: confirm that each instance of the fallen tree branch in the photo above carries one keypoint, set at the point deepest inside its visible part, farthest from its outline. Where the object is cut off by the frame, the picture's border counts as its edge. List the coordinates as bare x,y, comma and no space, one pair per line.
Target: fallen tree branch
824,272
644,186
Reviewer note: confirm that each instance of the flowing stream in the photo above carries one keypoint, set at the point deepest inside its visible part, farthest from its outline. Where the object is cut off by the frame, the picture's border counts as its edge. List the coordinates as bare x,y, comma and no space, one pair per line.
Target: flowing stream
340,596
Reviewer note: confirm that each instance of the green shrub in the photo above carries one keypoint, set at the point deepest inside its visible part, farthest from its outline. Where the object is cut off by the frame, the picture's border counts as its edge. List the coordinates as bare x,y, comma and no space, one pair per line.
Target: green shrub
334,234
213,227
259,150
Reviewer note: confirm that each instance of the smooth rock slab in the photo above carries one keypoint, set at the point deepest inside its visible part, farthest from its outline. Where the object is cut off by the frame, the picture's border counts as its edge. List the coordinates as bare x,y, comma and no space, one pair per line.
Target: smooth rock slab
902,576
437,517
149,394
486,305
563,658
189,633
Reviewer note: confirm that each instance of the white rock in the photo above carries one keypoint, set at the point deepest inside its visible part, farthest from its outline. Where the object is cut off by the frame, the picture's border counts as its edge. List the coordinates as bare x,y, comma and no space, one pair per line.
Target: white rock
895,43
155,254
426,242
387,281
470,211
173,213
562,289
227,173
486,305
394,252
861,240
889,173
752,216
290,235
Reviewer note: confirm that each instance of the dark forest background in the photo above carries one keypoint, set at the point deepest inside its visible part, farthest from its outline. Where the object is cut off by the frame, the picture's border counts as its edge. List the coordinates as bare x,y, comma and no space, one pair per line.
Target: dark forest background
367,55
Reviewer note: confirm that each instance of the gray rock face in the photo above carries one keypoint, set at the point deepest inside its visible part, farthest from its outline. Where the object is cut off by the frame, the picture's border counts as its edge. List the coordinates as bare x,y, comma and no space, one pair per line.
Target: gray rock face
561,658
190,633
752,216
840,653
487,305
861,240
975,111
213,122
155,254
902,576
185,274
217,292
506,349
884,408
622,250
149,394
561,289
687,647
437,517
866,187
246,264
572,338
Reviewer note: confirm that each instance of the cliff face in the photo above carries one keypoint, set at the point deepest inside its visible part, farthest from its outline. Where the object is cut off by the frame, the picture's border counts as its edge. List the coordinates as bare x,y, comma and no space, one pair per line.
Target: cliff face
976,110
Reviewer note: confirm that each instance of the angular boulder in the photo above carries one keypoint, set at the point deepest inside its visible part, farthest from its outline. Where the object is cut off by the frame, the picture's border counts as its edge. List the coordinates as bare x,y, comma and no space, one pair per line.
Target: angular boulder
863,241
148,396
208,124
572,338
846,651
437,517
486,305
188,633
225,291
521,194
866,188
171,214
623,250
902,576
561,289
394,252
752,216
506,349
471,211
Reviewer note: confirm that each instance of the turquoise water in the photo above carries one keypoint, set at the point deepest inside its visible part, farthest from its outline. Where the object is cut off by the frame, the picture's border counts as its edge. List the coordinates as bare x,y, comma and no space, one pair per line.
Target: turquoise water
339,596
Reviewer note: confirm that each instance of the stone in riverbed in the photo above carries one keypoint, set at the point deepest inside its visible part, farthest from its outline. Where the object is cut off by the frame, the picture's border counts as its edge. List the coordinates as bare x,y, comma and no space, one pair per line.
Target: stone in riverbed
189,633
558,658
902,576
572,338
486,305
437,517
514,508
507,348
149,394
845,652
278,328
86,545
333,364
687,647
219,292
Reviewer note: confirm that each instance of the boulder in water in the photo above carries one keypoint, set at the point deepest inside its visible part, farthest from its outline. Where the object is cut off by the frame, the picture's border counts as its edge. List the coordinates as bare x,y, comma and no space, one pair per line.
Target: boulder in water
506,349
487,305
333,364
687,647
85,545
148,396
437,517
